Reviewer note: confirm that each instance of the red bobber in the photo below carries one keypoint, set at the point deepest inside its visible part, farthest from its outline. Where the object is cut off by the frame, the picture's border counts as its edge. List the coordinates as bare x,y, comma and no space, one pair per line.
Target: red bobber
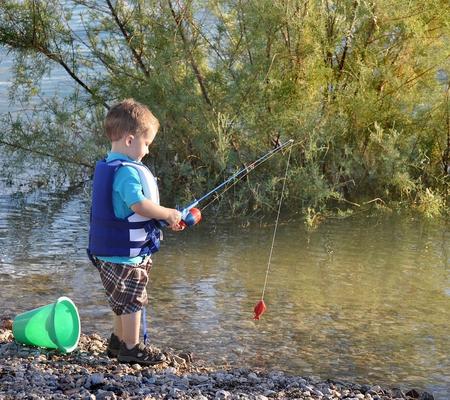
259,309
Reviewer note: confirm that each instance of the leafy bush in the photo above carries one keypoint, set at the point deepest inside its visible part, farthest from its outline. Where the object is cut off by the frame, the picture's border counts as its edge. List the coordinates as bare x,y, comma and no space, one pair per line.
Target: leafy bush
361,87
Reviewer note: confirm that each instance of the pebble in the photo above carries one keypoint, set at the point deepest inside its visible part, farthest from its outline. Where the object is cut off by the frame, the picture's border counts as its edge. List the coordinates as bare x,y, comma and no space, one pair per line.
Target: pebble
87,373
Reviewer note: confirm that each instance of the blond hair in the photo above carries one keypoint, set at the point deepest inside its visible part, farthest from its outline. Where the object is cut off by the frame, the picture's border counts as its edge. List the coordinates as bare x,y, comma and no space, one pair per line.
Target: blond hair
129,117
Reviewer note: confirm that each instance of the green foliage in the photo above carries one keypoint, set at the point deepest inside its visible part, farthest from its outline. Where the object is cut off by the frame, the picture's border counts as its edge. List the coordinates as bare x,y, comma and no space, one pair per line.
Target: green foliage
430,204
353,82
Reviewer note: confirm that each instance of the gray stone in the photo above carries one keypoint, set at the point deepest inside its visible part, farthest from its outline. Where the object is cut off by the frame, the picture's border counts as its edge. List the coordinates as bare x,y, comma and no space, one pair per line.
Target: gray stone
105,395
87,374
222,395
97,379
252,377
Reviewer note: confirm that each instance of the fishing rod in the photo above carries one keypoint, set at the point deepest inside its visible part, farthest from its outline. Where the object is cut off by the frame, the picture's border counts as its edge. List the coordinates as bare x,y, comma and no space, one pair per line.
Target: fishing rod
190,215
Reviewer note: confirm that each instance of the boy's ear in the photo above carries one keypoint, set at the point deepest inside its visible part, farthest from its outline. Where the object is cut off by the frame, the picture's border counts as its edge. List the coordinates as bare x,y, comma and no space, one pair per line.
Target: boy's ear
129,139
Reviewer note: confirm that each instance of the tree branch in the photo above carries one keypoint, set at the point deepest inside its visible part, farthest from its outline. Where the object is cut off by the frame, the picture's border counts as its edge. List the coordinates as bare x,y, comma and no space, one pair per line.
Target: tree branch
57,58
43,153
243,30
348,39
200,79
411,79
26,41
122,26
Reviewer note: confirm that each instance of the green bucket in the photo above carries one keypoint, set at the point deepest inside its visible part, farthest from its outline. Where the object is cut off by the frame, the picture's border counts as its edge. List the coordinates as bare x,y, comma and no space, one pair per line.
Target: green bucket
54,326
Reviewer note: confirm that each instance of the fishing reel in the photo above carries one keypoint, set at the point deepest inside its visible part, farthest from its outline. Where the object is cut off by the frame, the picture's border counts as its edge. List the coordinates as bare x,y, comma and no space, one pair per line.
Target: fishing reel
190,217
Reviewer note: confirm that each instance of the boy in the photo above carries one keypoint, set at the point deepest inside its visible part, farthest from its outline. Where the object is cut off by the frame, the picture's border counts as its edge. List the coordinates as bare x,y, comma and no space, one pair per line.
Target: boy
124,231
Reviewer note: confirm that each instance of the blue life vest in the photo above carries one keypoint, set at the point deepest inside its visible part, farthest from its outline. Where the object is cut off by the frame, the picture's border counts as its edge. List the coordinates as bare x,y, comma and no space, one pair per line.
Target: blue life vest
111,236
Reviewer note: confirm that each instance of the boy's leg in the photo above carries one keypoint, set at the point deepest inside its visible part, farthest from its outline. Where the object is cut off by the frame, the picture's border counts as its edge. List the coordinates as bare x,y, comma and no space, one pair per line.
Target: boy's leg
113,347
130,328
125,287
131,349
118,326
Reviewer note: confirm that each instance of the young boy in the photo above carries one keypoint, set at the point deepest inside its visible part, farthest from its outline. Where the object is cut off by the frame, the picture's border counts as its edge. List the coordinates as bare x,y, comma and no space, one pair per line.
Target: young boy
124,231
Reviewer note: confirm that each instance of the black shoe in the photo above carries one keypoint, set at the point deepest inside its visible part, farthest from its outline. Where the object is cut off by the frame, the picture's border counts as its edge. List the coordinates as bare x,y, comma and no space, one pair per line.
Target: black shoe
113,346
140,354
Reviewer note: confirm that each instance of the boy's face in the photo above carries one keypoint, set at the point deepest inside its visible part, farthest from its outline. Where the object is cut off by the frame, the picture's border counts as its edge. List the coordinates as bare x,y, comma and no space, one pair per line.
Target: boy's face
138,145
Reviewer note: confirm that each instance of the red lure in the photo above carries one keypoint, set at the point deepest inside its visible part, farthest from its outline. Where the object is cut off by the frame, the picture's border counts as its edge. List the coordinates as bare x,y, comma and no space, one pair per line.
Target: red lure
259,309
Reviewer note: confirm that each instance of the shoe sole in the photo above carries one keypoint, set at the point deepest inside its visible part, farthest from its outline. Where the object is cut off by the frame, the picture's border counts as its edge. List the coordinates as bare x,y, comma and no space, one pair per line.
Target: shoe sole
126,359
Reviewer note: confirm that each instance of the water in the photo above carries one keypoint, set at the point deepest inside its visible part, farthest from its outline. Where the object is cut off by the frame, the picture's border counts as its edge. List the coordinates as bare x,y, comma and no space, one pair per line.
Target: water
364,299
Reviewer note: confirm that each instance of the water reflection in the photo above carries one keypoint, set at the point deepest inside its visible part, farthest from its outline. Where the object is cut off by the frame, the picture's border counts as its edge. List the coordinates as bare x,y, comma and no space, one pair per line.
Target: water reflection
364,299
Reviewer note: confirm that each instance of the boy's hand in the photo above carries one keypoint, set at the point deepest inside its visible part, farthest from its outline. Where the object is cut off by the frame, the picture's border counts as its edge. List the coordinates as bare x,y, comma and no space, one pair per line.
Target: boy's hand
177,227
174,217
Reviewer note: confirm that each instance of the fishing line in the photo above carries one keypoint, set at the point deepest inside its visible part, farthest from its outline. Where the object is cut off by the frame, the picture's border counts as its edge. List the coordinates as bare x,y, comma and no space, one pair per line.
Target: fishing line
260,306
276,223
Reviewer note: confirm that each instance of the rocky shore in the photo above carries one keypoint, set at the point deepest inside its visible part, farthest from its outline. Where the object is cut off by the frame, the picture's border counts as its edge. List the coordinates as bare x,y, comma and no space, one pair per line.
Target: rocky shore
87,373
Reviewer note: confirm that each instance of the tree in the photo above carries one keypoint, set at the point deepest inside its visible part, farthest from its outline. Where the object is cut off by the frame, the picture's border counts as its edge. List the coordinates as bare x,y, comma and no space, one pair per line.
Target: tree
353,82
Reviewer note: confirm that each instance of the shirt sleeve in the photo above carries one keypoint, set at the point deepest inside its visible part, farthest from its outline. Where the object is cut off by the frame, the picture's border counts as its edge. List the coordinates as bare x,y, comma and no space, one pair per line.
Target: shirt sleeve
128,185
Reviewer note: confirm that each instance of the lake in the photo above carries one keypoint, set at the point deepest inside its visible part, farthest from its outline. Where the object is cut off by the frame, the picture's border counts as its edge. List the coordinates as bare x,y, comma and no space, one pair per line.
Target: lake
365,299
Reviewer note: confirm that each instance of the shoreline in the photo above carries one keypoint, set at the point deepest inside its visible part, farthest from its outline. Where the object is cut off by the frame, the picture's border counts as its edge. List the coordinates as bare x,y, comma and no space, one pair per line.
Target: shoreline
87,373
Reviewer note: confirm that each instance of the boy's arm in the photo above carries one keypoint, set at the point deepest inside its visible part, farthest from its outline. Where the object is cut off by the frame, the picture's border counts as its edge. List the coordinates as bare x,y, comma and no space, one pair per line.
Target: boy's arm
128,185
148,209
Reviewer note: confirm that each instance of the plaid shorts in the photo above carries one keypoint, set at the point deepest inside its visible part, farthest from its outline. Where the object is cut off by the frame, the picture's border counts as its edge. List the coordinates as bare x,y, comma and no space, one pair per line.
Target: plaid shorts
125,284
